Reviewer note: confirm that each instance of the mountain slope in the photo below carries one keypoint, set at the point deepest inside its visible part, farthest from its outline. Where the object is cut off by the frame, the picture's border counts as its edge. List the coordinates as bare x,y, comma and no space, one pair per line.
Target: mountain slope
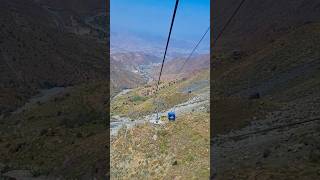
260,22
172,150
132,60
122,78
266,73
178,67
53,90
122,41
77,6
79,17
279,73
34,54
63,136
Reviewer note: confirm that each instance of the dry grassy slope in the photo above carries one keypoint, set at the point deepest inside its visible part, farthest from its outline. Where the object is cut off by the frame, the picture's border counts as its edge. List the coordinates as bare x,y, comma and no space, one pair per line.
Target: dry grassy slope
284,71
180,150
121,77
34,54
287,62
278,58
138,102
305,171
61,136
135,58
172,69
80,17
260,22
122,66
64,136
77,6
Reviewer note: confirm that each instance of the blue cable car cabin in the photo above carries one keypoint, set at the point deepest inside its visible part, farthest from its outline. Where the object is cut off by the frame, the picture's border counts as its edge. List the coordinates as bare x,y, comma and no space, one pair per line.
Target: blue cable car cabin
171,116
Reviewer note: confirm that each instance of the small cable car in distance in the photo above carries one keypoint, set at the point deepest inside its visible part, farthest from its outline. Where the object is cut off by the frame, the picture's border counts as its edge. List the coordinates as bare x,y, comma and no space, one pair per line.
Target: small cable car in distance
171,116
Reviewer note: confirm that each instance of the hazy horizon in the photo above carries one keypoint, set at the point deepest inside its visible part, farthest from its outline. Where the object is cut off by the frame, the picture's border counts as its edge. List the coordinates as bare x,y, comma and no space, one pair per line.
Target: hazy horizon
151,19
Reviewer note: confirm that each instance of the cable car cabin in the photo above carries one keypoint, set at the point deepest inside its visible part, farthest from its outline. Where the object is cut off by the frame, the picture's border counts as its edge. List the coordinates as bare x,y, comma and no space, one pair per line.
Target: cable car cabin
171,116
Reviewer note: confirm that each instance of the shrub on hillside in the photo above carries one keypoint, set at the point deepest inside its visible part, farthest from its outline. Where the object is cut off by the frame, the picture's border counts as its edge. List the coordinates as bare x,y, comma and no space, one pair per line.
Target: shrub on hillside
138,98
80,113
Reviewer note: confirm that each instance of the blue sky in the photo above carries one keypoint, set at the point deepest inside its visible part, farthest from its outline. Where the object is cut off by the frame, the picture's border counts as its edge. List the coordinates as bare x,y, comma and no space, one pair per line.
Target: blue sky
153,17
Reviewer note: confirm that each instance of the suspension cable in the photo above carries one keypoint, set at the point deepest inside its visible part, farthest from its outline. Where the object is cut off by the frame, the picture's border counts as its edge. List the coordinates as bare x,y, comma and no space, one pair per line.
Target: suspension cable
228,22
193,50
273,128
168,40
165,53
191,53
214,42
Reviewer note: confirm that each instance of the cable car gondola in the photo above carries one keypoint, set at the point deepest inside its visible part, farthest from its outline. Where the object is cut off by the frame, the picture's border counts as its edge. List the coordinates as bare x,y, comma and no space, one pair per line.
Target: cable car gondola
171,116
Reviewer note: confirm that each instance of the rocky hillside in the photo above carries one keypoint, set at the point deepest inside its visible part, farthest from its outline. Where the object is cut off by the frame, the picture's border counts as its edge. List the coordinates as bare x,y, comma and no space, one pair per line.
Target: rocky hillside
132,60
173,150
132,69
80,17
36,54
61,134
122,78
82,7
176,150
260,22
276,86
53,89
123,41
274,71
179,67
266,74
139,101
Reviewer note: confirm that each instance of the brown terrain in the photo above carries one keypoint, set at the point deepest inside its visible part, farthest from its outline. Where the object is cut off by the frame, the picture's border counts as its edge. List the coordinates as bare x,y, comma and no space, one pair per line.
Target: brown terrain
180,67
53,89
266,80
35,55
125,71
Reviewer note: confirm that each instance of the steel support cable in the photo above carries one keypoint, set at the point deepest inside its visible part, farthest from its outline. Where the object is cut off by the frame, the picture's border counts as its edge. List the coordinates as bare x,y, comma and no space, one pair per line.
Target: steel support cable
214,42
168,40
193,50
268,129
228,22
191,53
165,52
236,137
219,35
